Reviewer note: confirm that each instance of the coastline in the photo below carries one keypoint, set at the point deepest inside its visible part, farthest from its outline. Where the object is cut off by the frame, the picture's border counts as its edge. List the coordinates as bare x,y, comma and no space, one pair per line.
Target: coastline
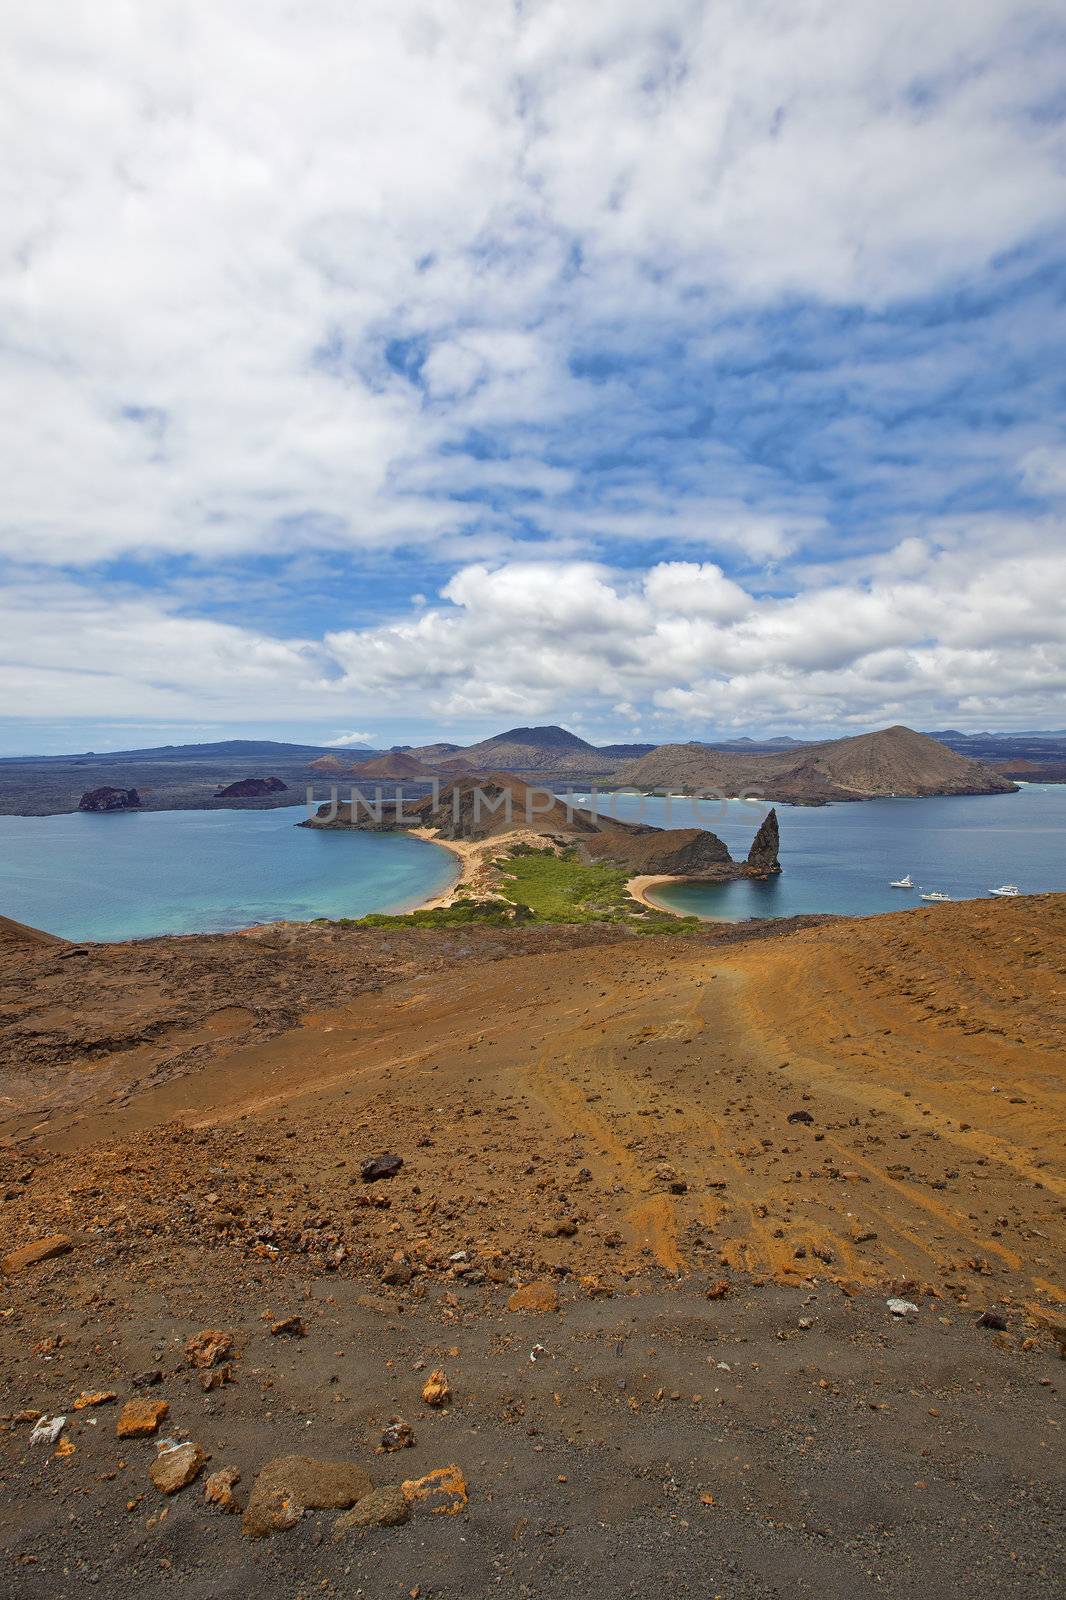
639,886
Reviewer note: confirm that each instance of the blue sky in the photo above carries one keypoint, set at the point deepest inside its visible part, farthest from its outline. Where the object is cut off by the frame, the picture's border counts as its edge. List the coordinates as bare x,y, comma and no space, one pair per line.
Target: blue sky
422,372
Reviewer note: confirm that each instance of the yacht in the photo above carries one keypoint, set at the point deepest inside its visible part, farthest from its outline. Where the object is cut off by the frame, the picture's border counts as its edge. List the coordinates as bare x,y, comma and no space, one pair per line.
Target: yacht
1008,890
934,894
902,883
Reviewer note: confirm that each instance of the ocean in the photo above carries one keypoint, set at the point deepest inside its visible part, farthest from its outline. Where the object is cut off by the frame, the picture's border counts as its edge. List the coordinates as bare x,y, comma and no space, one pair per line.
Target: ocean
129,874
842,858
134,874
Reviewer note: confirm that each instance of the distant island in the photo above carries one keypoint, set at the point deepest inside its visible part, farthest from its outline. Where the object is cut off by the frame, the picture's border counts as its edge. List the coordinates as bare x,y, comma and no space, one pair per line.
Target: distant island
868,766
107,798
251,789
893,761
478,817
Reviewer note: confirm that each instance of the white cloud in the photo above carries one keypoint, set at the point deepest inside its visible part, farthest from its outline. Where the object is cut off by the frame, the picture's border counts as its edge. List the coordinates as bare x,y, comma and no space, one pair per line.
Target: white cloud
679,646
222,213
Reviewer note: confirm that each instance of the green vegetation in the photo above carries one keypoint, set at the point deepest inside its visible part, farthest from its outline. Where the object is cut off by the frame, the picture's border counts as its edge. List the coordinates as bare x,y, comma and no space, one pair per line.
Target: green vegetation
540,886
462,912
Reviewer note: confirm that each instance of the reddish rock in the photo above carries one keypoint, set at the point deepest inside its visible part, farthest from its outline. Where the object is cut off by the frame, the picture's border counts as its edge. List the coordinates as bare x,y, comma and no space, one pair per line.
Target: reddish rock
541,1296
28,1255
139,1419
175,1466
289,1484
208,1347
443,1491
381,1508
436,1390
218,1488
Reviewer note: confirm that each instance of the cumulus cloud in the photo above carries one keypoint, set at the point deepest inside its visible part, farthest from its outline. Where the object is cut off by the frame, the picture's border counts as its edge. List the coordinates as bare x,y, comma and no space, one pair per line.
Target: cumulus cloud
660,345
677,649
264,268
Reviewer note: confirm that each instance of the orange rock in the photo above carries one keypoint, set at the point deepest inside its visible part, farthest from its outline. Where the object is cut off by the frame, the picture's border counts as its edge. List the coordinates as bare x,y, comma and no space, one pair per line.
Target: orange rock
435,1390
138,1419
175,1466
207,1347
28,1255
93,1397
541,1296
218,1488
443,1490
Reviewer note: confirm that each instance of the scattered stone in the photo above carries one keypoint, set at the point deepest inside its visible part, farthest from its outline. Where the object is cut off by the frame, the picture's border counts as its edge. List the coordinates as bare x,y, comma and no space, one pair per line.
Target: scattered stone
139,1419
596,1289
719,1289
289,1484
901,1308
435,1390
386,1507
274,1511
992,1319
800,1116
539,1296
28,1255
208,1347
176,1465
146,1380
398,1435
378,1167
443,1491
47,1430
805,1323
397,1274
289,1328
563,1229
218,1488
93,1397
216,1378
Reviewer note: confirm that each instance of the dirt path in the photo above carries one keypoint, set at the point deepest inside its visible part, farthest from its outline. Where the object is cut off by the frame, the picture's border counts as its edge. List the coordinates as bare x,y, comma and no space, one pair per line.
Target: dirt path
778,1108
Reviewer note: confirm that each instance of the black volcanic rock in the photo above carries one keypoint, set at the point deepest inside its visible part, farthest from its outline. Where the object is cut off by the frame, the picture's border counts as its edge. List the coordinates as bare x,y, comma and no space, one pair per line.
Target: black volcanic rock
762,857
250,788
109,799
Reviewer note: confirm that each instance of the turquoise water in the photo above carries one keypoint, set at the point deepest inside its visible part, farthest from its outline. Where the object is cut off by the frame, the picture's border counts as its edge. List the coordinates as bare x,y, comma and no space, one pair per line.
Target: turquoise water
132,874
841,858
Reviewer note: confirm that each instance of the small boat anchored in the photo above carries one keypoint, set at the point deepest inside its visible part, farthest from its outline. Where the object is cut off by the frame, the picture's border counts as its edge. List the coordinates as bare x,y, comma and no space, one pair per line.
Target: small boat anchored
906,882
934,894
1006,890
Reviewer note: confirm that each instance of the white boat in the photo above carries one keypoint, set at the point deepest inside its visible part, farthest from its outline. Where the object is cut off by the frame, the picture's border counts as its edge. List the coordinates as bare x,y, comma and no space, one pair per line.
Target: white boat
902,883
1008,890
934,894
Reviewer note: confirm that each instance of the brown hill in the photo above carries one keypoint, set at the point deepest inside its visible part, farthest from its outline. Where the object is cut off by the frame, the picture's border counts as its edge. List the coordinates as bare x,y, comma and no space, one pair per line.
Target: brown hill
397,764
17,935
548,749
329,764
895,761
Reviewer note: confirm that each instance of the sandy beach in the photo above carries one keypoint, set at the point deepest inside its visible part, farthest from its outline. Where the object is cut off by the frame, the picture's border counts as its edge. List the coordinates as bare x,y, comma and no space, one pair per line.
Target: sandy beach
638,887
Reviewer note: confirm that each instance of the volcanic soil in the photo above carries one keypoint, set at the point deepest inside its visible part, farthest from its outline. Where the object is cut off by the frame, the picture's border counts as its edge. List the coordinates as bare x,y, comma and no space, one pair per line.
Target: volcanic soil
715,1159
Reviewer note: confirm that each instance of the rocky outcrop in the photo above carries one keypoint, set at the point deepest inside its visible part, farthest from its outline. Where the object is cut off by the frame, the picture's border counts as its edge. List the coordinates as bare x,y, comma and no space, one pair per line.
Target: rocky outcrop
499,804
251,788
663,852
762,857
108,799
